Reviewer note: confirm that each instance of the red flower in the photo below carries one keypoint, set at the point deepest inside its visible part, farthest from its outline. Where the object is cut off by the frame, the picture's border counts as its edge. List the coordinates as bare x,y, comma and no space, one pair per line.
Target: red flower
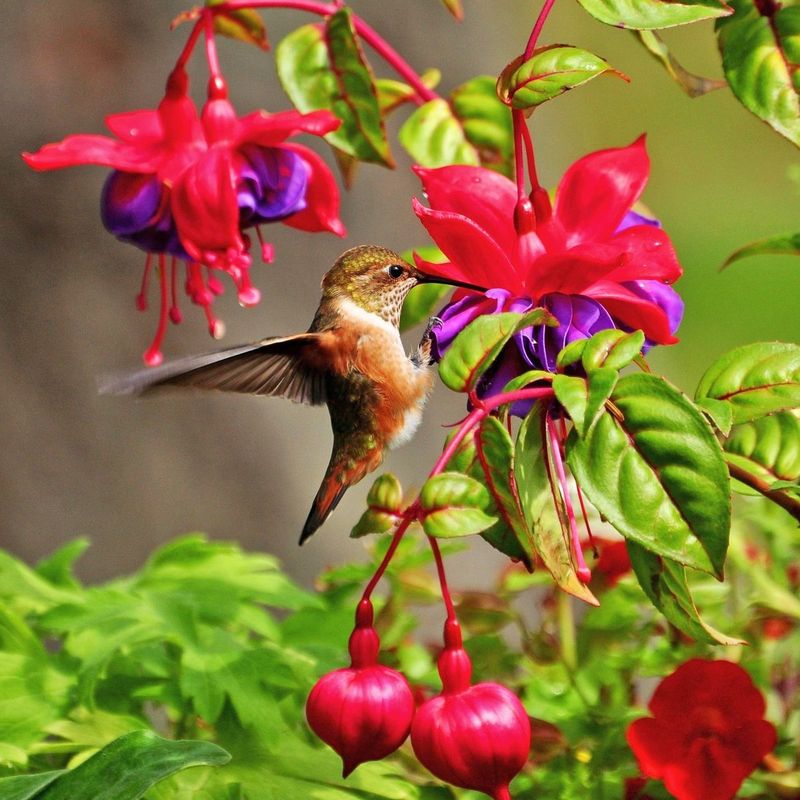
613,562
592,260
187,186
707,733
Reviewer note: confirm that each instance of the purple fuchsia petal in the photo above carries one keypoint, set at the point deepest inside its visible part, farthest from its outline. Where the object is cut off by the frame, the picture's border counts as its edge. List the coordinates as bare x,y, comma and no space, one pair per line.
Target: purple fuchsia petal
579,317
662,295
271,184
599,189
633,218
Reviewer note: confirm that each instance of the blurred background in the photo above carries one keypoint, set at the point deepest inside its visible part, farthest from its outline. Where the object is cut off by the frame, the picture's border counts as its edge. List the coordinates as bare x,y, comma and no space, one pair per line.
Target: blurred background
132,474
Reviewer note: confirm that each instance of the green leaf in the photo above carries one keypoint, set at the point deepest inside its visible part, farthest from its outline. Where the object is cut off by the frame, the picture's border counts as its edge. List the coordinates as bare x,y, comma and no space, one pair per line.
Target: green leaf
384,502
27,787
244,25
477,346
760,47
434,137
454,505
585,398
392,93
611,348
486,122
756,380
650,14
664,582
322,67
527,378
657,475
511,535
719,412
423,300
768,448
549,72
693,85
536,499
787,244
57,568
129,766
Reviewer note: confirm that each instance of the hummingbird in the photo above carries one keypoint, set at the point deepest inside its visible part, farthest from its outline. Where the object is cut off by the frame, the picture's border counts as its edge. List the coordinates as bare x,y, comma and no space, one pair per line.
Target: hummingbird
351,358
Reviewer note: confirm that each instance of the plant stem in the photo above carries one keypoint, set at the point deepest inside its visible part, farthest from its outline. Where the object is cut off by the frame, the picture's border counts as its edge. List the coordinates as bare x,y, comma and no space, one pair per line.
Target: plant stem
537,29
779,497
367,33
448,601
566,630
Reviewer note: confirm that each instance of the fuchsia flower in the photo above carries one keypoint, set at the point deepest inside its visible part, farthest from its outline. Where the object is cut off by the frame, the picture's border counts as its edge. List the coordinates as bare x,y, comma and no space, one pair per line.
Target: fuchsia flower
707,732
591,260
363,712
477,737
187,186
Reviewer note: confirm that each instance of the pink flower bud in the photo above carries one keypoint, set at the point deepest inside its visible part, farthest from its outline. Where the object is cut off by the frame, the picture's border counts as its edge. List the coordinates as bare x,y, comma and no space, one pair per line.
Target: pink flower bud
363,712
476,737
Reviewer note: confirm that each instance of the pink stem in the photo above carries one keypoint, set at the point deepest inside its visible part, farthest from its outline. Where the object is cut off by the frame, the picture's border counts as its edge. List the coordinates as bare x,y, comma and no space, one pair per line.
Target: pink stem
217,88
519,156
529,154
370,36
448,601
188,48
537,29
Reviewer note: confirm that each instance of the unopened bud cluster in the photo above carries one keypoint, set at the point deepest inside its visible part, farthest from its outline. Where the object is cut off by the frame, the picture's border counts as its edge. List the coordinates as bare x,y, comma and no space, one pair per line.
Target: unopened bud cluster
473,736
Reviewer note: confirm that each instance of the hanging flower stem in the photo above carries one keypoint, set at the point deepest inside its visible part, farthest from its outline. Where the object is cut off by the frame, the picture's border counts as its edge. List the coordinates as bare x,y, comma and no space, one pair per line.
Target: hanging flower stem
365,31
537,28
217,88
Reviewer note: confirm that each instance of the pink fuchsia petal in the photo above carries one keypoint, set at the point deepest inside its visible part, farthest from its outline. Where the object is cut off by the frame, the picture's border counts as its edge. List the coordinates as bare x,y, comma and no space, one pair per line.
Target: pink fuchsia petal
136,127
572,272
205,208
597,191
633,311
478,258
322,196
92,149
483,196
272,129
650,255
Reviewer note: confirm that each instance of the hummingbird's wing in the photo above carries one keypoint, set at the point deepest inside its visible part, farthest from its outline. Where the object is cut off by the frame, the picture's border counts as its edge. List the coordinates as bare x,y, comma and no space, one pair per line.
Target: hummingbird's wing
280,367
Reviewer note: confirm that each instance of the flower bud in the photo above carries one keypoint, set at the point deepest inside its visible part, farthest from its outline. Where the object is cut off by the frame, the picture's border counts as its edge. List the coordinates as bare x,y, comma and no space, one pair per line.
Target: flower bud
363,712
476,737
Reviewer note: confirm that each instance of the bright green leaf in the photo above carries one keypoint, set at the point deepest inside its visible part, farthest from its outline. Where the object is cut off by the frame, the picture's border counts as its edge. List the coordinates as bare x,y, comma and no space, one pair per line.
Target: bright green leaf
27,787
651,14
323,68
434,137
784,245
719,412
756,380
657,475
760,47
611,348
664,582
384,501
393,93
585,398
549,72
244,24
768,448
524,380
57,567
453,505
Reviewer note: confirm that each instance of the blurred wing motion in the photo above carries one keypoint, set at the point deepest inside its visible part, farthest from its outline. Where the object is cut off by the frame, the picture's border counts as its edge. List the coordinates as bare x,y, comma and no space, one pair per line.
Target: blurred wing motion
280,367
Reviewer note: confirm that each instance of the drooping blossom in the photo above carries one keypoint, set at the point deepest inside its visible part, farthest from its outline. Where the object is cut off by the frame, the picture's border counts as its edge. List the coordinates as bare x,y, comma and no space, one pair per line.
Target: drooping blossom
613,562
364,711
473,736
186,186
591,260
707,732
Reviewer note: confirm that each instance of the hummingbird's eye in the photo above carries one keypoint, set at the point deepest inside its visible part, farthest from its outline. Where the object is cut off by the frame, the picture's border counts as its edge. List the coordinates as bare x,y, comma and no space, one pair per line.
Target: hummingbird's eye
396,271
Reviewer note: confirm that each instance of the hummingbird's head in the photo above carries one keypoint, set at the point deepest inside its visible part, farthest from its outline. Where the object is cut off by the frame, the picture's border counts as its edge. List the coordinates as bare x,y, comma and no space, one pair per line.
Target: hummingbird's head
375,279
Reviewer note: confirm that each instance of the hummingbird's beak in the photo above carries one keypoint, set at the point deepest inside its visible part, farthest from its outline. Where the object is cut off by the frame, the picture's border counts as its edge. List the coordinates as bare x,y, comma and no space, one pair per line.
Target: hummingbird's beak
423,278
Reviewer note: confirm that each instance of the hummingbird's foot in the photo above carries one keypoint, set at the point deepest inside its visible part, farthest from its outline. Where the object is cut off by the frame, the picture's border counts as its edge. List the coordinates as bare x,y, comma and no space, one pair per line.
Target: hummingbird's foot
423,357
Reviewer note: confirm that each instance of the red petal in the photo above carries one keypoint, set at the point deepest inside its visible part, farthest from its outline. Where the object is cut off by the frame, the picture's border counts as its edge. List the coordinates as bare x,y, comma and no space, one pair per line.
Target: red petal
136,127
597,191
572,272
322,197
205,208
633,311
271,129
654,745
479,259
650,255
91,149
485,197
439,269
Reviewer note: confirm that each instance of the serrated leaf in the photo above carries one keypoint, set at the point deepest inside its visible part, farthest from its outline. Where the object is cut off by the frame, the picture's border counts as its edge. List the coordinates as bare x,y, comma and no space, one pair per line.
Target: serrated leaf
611,348
495,451
768,448
453,505
536,499
584,398
658,474
486,122
476,347
423,300
322,67
784,245
129,766
757,379
664,582
549,72
652,14
760,46
434,137
693,85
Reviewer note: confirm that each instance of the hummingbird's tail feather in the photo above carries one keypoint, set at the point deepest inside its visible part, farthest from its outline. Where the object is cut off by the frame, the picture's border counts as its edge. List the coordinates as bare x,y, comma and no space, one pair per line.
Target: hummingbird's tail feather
328,497
279,367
